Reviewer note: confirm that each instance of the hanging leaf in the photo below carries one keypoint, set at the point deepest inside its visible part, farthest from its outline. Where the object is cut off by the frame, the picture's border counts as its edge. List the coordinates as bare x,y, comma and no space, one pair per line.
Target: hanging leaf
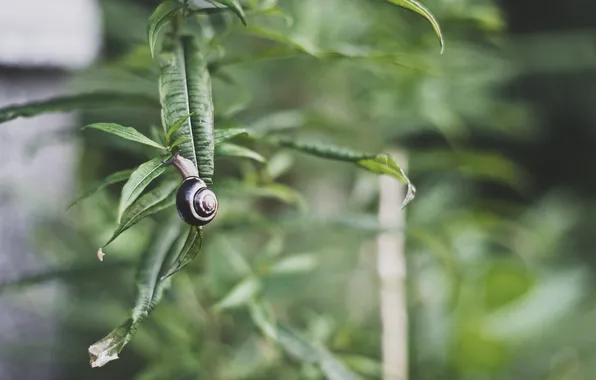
233,150
162,15
417,7
185,88
154,201
109,180
297,346
235,7
192,246
98,100
223,135
376,163
138,181
127,133
384,164
150,289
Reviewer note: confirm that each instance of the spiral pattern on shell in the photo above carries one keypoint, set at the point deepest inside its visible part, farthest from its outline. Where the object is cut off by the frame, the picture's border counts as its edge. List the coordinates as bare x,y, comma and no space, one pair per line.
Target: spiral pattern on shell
197,204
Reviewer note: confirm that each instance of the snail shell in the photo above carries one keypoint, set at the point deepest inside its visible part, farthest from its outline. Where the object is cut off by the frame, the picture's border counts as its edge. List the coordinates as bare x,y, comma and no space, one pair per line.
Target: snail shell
197,204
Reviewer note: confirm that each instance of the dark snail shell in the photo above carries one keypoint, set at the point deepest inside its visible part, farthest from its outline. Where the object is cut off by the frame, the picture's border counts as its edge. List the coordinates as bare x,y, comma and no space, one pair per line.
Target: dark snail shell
196,203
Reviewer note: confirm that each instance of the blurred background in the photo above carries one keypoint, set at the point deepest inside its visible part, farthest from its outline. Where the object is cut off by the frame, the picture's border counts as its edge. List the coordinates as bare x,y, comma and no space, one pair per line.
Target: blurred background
498,134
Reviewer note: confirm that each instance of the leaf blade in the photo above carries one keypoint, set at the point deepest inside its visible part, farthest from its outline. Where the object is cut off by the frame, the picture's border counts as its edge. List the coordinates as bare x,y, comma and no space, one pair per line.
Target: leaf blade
235,7
138,181
237,151
112,179
417,7
127,133
154,201
71,103
192,246
162,15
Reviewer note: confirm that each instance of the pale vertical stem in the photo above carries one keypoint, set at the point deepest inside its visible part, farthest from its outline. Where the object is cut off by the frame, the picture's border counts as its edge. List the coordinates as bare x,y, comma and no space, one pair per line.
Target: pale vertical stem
391,267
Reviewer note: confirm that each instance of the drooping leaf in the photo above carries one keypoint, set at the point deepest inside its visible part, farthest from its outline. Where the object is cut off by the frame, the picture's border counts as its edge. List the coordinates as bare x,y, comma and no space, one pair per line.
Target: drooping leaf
127,133
417,7
154,201
235,7
233,150
375,163
297,346
175,127
150,289
185,88
138,181
222,135
97,100
162,15
113,178
192,246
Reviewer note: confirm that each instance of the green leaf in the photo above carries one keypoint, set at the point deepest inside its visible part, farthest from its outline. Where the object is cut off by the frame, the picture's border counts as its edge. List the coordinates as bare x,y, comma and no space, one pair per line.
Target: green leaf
384,164
241,294
175,127
162,15
154,201
113,178
235,7
138,181
233,150
375,163
192,246
98,100
417,7
185,88
297,346
181,140
150,289
223,135
127,133
294,264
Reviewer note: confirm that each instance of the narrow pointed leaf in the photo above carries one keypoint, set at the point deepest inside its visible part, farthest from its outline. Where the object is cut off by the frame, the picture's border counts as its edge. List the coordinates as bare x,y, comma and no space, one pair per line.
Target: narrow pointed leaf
181,140
127,133
162,15
138,181
223,135
192,246
176,126
154,201
150,289
98,100
185,88
235,7
233,150
375,163
417,7
98,186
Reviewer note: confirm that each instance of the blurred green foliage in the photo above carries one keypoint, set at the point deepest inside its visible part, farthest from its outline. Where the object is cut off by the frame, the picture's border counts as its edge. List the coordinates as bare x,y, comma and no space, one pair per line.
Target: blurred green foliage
488,293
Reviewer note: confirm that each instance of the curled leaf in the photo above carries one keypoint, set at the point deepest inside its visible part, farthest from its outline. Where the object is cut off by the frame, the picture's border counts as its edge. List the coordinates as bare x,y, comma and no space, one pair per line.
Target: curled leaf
417,7
162,15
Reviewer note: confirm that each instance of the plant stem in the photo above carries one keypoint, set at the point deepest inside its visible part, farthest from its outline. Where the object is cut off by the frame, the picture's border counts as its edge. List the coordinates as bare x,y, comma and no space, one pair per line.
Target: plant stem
391,267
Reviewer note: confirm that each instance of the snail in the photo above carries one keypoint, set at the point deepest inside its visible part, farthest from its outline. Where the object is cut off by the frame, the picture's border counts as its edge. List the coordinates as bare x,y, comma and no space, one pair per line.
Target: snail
196,203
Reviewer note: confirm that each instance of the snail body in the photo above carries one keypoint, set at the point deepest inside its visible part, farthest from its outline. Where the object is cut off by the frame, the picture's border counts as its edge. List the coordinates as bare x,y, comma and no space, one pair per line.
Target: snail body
197,204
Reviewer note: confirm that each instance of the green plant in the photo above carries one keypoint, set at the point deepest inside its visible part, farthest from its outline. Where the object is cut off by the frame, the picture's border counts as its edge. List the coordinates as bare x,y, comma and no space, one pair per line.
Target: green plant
188,52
